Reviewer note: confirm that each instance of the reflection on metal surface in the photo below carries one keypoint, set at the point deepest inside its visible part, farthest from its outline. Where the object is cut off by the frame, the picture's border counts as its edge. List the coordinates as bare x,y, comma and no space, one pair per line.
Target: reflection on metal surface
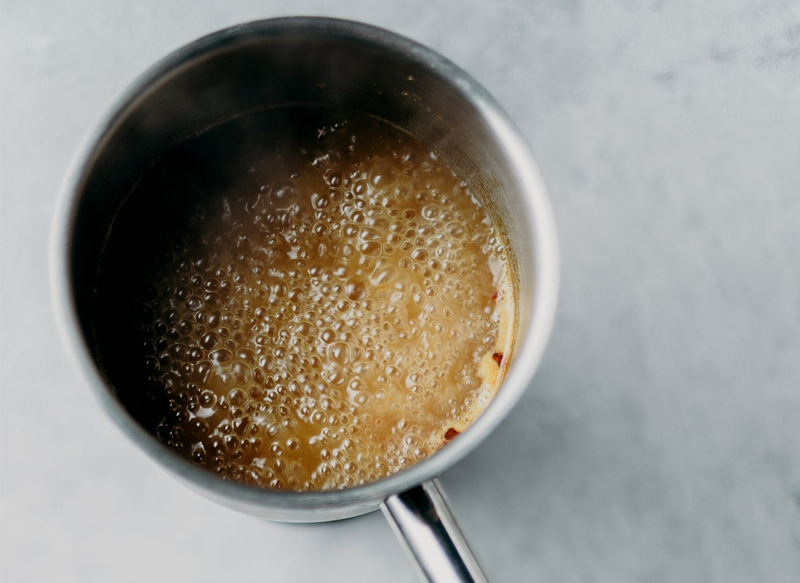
422,520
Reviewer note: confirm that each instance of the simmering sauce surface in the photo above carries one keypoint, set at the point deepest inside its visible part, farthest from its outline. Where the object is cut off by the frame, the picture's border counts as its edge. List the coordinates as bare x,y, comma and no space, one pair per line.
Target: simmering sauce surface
332,307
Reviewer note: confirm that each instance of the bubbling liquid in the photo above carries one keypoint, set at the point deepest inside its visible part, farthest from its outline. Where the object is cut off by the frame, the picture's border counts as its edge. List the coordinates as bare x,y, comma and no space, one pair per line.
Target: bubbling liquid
333,312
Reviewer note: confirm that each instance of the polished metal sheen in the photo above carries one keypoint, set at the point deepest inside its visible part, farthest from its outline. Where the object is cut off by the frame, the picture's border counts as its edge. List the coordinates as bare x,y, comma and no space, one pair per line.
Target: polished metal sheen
343,65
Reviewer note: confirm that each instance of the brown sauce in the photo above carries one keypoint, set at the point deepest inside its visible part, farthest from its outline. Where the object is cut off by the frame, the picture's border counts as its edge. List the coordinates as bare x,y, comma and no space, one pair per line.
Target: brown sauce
315,300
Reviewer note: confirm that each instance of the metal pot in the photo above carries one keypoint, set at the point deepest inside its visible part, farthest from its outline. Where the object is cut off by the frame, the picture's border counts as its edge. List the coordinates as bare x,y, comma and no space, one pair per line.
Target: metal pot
346,65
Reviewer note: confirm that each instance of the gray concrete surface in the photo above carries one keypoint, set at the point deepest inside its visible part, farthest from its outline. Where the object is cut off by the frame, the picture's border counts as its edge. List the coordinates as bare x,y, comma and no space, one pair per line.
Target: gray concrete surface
660,441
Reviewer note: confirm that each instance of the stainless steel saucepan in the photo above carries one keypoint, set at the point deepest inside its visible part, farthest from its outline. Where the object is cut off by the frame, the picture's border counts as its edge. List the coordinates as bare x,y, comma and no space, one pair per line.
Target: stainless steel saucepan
350,66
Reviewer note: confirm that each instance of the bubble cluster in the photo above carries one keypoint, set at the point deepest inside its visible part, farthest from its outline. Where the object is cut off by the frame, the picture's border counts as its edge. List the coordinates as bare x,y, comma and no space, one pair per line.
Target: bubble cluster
325,323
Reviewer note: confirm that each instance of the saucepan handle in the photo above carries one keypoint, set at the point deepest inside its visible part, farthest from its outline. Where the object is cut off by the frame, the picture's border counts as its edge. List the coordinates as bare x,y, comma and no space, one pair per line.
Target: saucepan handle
422,521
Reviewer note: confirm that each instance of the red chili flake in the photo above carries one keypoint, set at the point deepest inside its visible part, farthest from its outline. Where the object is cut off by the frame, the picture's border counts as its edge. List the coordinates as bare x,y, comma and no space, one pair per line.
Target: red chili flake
494,296
451,433
498,357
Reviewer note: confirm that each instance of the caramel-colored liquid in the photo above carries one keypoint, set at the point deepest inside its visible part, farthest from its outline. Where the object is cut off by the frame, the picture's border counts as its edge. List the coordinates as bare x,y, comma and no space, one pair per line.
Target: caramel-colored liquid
333,311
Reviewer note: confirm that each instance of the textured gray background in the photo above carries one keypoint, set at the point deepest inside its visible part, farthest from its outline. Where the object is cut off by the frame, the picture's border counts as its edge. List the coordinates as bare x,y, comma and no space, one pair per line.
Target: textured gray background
661,438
